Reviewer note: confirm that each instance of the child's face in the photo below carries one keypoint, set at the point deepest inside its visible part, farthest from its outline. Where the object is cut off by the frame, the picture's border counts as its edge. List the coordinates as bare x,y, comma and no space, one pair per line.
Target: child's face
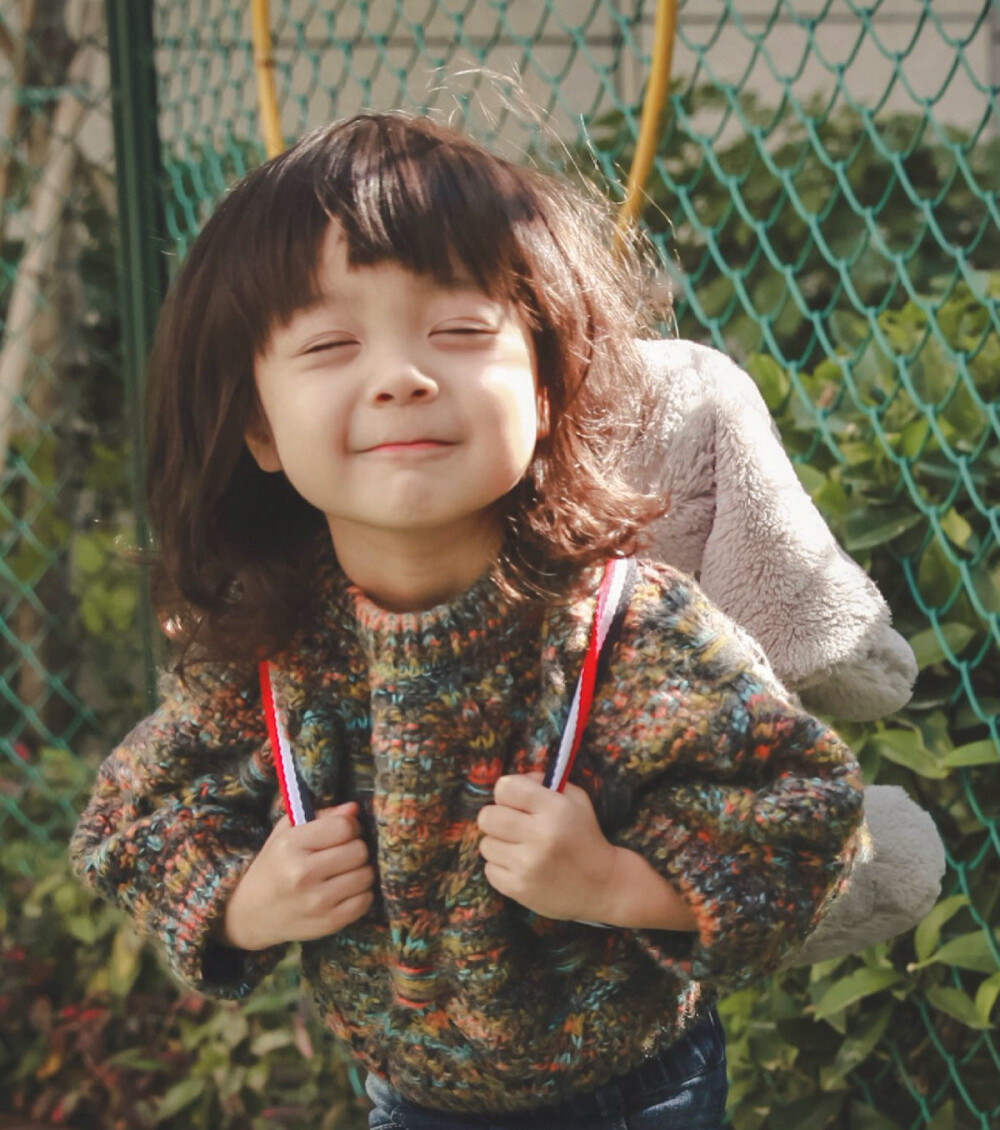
397,404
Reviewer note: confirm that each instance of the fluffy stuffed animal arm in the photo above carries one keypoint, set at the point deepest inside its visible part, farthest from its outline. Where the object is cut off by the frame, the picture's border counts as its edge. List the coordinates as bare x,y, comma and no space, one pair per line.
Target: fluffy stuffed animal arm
741,523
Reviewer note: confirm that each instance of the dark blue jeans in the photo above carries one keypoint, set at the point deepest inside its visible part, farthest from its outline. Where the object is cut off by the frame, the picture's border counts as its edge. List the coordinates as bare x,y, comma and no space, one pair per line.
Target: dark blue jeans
683,1088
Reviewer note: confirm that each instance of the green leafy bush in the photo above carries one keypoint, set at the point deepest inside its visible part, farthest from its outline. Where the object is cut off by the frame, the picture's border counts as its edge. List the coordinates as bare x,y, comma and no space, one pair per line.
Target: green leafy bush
807,211
871,1042
93,1032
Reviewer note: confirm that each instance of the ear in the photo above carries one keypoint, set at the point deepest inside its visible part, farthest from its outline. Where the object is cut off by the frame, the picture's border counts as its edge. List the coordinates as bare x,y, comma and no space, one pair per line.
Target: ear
260,441
542,414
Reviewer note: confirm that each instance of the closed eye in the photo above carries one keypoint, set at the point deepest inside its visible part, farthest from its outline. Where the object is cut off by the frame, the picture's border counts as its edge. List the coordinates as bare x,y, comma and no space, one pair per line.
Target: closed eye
469,331
326,346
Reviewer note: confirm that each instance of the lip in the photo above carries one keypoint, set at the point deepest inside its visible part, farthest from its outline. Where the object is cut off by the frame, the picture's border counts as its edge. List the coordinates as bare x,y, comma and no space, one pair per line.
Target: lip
407,446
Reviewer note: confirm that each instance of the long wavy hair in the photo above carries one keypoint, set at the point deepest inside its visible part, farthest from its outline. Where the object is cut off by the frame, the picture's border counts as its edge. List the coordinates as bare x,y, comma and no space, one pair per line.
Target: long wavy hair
235,549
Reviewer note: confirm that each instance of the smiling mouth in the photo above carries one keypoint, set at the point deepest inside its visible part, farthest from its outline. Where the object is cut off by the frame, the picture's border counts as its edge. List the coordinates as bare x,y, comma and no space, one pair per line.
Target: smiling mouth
407,446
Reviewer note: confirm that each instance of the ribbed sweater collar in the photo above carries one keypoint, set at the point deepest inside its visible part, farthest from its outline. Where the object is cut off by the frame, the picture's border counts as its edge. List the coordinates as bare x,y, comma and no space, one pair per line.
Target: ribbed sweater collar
456,629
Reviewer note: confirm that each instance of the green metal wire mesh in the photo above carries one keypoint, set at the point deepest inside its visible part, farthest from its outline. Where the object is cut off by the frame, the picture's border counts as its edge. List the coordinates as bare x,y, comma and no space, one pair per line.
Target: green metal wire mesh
66,597
825,204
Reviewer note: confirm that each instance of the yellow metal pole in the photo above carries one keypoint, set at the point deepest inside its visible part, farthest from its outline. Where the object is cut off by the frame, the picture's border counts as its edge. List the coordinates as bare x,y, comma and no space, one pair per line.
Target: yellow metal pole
657,89
664,29
263,61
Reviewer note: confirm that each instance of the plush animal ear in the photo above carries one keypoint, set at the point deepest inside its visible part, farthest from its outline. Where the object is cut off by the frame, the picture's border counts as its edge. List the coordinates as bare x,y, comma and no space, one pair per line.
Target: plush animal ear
260,441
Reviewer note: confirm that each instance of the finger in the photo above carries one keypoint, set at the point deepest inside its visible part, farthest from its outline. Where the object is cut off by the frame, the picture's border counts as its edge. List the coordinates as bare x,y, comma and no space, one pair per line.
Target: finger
348,811
350,910
497,852
348,885
504,823
331,827
338,860
523,791
334,919
500,879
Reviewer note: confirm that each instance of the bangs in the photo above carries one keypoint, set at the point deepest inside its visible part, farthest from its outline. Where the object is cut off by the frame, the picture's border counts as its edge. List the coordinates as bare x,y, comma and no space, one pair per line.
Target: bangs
426,199
404,191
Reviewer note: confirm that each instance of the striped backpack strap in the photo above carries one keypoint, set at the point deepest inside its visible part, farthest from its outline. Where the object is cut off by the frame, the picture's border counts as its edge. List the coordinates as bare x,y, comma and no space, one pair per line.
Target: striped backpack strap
613,598
294,794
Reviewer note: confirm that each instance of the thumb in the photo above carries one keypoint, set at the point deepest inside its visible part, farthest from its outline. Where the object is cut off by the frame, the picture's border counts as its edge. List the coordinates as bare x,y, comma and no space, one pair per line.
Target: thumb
576,795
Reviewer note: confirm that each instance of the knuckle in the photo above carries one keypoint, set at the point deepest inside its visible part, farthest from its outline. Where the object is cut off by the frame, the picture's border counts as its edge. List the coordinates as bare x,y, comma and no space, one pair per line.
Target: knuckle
297,873
505,789
354,907
340,830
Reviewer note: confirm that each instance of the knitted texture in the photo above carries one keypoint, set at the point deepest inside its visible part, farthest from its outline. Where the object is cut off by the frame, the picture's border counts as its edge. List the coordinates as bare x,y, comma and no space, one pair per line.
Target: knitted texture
461,998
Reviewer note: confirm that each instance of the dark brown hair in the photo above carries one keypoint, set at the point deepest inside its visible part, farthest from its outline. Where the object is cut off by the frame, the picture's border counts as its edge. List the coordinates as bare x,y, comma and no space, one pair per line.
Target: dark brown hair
235,547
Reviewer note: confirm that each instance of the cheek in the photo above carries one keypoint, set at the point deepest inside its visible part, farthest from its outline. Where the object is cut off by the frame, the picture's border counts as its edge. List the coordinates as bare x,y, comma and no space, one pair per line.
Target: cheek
513,444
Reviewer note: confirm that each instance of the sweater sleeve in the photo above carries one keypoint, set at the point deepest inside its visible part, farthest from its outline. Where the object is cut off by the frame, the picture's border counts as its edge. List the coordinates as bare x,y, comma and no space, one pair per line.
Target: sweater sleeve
177,814
748,806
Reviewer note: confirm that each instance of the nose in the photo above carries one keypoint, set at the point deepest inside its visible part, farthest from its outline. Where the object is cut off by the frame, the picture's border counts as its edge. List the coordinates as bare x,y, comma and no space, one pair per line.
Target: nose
403,383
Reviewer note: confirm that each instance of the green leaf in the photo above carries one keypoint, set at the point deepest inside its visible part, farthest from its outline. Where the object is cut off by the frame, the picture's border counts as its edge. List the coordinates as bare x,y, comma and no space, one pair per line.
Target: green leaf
812,479
928,646
137,1059
822,969
957,529
770,378
854,987
956,1004
974,753
927,935
811,1113
864,1117
85,928
944,1118
906,747
967,951
268,1042
125,960
181,1095
986,996
913,437
869,526
862,1042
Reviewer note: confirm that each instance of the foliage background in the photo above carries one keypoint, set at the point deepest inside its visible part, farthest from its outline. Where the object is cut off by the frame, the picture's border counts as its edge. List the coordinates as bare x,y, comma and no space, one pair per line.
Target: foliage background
849,261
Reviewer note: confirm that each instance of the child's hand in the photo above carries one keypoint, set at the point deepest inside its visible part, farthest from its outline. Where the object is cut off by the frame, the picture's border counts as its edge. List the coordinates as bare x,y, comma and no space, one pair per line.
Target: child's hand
307,882
546,850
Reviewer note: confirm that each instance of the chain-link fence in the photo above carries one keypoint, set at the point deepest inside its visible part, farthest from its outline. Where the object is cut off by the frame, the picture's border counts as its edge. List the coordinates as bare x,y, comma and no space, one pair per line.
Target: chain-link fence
825,201
66,599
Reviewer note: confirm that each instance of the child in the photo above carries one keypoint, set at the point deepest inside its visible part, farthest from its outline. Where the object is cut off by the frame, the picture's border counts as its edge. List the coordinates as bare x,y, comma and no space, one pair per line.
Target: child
388,397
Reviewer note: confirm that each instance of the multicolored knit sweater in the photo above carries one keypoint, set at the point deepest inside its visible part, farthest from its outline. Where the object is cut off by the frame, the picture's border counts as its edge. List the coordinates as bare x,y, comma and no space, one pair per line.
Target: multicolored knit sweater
463,999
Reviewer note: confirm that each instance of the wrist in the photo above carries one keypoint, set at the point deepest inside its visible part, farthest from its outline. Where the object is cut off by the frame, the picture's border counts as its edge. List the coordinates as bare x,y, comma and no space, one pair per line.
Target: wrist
638,897
230,931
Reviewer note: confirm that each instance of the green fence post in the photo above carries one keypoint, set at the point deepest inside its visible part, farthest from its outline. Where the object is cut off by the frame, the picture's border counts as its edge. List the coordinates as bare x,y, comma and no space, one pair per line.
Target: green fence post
141,233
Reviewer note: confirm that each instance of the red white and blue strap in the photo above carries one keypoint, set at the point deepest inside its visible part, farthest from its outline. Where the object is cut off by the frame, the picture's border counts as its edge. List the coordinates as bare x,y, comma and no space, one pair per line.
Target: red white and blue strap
294,794
612,599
